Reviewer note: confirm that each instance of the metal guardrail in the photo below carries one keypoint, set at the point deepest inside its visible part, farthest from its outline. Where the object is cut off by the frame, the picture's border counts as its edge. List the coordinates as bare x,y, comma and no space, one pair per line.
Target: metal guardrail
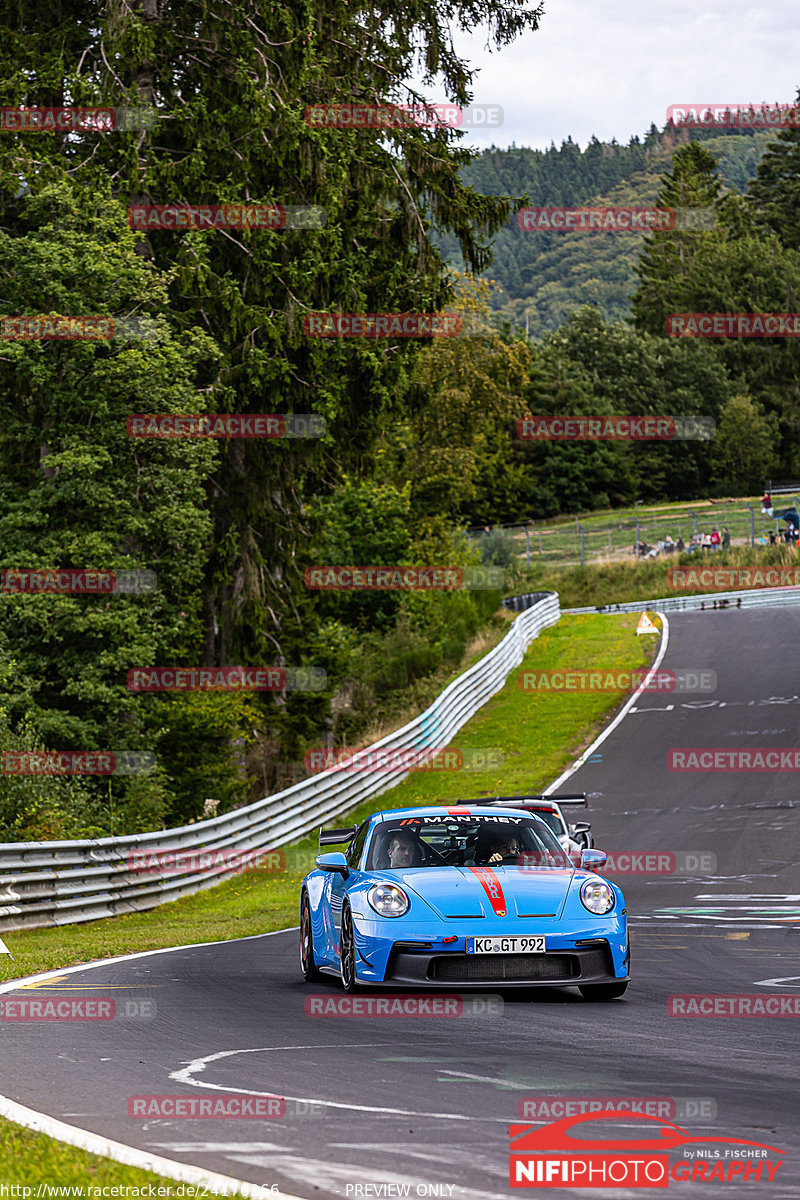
60,883
777,597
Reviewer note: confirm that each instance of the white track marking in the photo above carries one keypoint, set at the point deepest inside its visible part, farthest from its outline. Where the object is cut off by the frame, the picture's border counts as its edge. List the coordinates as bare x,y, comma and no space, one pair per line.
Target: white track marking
95,1143
187,1076
12,984
623,712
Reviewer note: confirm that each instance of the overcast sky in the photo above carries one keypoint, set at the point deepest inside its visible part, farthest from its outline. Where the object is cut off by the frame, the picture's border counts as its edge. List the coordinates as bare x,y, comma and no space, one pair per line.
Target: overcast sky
612,68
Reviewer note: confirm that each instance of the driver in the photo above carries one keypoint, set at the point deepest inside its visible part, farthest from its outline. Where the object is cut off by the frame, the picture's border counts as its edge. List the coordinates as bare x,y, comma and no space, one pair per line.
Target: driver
502,845
404,850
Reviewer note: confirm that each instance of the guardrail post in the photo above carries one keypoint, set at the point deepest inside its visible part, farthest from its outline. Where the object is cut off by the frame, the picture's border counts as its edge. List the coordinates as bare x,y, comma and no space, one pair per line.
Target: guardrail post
752,524
693,515
580,528
527,547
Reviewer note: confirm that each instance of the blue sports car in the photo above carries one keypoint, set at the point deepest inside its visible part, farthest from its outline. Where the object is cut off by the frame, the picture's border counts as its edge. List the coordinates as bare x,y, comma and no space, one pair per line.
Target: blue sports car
437,896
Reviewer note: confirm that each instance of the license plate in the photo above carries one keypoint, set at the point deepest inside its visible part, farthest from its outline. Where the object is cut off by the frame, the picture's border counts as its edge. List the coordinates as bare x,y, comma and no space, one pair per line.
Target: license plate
506,945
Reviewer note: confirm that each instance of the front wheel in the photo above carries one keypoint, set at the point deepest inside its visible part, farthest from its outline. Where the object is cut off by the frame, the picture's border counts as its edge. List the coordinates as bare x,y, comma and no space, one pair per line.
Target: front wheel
307,964
347,951
604,991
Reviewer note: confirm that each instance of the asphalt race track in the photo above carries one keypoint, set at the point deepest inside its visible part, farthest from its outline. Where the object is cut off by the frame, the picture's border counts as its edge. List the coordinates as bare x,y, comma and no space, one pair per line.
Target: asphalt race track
427,1102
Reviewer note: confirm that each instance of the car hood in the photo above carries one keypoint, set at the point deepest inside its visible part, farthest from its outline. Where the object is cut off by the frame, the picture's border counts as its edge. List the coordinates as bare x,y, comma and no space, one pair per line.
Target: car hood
486,891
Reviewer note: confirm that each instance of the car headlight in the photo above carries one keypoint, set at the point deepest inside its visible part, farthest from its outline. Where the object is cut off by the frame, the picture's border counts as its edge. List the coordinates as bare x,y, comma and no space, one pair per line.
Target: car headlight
597,896
388,899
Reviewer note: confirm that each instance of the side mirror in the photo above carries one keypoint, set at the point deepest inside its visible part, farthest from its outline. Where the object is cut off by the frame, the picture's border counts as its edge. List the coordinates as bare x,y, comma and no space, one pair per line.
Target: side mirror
593,860
333,862
581,827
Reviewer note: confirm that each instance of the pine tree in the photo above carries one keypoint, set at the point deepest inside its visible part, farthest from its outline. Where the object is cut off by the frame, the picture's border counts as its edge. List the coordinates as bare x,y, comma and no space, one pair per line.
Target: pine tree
667,257
775,191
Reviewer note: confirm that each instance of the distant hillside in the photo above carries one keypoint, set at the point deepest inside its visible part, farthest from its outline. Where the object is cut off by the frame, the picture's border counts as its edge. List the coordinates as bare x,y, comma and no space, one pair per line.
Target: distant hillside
544,276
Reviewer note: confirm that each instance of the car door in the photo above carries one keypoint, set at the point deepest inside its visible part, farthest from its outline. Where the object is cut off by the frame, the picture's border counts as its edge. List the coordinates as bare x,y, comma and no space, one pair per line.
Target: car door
338,886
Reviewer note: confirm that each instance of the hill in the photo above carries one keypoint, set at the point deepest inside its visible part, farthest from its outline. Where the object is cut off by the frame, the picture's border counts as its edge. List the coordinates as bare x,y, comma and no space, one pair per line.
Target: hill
541,276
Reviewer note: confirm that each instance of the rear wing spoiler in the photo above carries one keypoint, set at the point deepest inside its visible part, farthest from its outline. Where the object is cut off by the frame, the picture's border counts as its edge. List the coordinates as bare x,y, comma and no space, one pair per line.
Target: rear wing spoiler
567,798
559,797
336,837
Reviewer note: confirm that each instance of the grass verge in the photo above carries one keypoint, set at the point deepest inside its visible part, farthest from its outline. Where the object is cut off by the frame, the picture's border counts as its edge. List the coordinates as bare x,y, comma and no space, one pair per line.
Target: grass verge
625,582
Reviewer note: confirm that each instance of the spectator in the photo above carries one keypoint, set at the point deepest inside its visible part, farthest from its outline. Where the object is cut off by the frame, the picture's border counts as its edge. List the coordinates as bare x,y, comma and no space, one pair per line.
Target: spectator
714,541
726,539
679,544
772,539
766,504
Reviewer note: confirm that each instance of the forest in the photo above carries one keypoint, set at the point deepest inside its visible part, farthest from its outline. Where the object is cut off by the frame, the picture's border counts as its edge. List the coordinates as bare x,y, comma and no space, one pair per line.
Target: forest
419,437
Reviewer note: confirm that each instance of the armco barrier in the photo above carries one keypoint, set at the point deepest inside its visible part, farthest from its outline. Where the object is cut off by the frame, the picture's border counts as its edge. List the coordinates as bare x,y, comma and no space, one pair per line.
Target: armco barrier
60,883
777,597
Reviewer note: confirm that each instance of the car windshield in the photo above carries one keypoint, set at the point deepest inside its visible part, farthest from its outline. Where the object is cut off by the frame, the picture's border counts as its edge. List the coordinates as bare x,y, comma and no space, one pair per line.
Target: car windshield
468,840
551,819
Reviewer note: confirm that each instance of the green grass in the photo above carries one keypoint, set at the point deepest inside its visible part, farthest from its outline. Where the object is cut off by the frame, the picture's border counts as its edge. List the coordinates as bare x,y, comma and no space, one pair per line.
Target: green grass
50,1162
642,579
538,734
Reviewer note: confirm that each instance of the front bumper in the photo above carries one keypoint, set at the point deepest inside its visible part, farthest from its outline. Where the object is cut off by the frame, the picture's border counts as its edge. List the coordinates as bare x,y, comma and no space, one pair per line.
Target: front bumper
586,964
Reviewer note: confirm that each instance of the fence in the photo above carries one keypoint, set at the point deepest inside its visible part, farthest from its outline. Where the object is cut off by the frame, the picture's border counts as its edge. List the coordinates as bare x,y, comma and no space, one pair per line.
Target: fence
59,883
595,538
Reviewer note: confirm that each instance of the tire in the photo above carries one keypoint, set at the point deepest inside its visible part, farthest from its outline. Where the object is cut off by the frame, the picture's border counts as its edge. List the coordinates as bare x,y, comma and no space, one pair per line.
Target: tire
307,964
604,991
347,951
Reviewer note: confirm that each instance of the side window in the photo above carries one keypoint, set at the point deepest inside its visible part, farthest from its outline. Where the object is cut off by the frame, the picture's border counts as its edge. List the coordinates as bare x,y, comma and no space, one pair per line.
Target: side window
357,846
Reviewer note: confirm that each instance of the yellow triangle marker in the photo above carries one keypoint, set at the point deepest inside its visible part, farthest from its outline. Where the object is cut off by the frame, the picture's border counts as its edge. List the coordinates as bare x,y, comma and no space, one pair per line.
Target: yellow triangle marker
646,625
